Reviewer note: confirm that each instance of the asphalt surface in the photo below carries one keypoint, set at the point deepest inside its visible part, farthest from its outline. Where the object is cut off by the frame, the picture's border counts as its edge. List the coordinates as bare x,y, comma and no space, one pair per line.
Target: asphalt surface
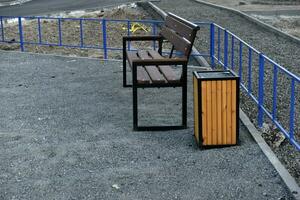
66,133
43,7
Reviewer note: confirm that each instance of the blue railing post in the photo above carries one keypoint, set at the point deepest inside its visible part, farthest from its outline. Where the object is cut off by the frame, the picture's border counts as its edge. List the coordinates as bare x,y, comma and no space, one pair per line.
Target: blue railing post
232,52
219,44
104,38
292,109
21,34
261,90
250,71
241,61
81,33
274,107
39,30
212,45
2,28
225,49
59,32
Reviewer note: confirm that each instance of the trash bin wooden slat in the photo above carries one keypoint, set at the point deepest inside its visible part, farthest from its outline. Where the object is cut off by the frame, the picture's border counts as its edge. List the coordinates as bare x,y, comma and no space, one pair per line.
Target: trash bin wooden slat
216,99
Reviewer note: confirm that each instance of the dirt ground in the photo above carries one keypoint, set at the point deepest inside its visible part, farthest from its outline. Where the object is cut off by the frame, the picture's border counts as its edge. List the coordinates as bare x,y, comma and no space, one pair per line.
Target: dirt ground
70,29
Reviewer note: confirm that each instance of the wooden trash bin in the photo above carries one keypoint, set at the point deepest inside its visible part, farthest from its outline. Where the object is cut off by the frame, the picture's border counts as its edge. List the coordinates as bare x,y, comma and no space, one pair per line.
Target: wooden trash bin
216,108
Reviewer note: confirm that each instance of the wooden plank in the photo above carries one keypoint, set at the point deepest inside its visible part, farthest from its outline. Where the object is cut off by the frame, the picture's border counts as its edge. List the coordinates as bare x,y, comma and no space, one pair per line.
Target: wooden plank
214,112
196,110
209,113
228,117
219,111
234,110
180,43
142,76
181,28
224,111
204,111
131,56
153,72
155,54
143,54
168,73
166,70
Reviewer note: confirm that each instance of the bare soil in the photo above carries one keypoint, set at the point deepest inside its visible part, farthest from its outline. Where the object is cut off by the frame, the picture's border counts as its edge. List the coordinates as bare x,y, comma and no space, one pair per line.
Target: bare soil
70,29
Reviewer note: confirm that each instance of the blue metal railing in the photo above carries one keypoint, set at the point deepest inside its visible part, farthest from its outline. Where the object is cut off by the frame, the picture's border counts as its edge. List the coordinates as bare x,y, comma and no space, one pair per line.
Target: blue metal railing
220,51
247,82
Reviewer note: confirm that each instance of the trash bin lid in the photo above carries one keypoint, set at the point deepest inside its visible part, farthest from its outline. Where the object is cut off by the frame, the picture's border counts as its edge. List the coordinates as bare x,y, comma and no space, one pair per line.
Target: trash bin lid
215,74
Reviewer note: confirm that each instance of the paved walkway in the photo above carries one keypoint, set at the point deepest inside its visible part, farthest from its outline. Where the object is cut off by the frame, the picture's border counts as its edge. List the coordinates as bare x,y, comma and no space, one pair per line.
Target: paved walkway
66,133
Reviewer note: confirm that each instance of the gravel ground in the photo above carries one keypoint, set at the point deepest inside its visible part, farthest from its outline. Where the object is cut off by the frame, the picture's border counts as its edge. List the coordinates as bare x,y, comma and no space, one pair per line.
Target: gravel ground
287,24
66,133
281,50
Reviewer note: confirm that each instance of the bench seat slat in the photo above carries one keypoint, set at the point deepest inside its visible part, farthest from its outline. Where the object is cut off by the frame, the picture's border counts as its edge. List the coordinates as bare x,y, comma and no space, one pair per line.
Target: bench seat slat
153,72
155,54
142,75
166,70
169,74
131,56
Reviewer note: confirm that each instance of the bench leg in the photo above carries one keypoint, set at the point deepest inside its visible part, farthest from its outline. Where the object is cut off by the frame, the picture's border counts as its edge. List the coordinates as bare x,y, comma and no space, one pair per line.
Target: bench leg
135,108
184,106
124,69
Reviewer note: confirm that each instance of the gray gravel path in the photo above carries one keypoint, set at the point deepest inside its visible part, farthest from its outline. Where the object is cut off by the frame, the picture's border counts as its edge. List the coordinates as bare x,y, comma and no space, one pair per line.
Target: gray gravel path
65,133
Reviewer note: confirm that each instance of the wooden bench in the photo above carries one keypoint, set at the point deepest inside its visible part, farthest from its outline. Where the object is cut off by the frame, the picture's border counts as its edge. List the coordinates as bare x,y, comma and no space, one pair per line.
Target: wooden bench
151,69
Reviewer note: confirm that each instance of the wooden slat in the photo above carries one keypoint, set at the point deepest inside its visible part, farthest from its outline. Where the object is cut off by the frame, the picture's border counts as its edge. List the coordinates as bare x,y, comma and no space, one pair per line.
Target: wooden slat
143,54
180,43
142,76
166,70
131,56
181,28
234,110
219,112
224,111
204,111
169,74
228,117
209,113
196,110
153,72
155,54
214,112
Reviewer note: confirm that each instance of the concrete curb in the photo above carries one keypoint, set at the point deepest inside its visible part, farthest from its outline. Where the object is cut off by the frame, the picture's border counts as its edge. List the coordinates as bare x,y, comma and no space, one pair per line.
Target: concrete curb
200,59
283,172
253,20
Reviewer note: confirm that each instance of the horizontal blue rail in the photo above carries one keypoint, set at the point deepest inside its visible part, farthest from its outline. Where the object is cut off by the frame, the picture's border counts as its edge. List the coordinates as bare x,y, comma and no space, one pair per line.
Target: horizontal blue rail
224,48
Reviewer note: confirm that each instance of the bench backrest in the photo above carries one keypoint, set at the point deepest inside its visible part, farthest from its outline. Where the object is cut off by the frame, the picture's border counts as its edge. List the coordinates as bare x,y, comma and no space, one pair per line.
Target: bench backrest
180,33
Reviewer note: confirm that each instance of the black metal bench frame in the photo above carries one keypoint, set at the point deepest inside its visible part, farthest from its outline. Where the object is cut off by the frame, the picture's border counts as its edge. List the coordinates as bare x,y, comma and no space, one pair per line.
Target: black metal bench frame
168,34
